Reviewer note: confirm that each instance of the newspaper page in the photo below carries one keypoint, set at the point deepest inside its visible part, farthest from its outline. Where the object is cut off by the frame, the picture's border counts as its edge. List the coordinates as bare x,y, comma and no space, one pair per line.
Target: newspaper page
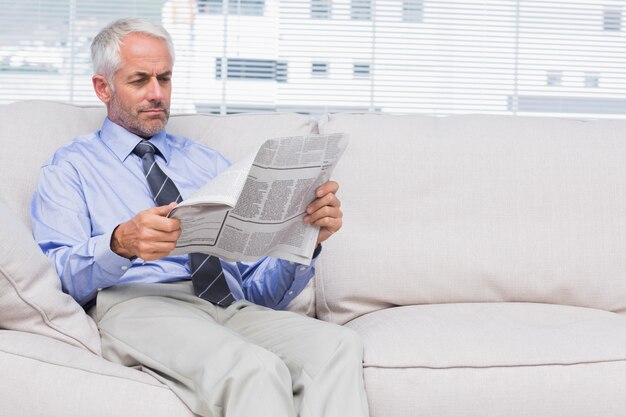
256,207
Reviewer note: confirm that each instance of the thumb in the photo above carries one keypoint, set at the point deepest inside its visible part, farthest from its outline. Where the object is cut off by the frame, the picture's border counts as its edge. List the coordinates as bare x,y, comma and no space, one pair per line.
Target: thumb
164,210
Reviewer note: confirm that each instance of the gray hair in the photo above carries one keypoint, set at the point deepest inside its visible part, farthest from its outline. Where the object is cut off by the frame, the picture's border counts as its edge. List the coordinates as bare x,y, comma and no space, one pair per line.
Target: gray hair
105,48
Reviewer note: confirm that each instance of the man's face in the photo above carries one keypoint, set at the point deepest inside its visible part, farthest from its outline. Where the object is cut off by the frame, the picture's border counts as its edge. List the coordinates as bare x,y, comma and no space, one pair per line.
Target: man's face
140,101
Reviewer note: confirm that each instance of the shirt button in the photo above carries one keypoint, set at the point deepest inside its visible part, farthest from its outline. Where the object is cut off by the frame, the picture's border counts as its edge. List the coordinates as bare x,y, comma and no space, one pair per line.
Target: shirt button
302,268
290,292
124,268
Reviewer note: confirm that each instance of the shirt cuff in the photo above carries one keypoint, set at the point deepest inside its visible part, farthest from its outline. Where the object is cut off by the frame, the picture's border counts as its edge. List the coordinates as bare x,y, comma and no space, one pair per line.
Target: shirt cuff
113,265
302,274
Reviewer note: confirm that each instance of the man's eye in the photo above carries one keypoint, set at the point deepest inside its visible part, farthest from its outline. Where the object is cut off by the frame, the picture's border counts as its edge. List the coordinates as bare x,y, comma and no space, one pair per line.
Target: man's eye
138,82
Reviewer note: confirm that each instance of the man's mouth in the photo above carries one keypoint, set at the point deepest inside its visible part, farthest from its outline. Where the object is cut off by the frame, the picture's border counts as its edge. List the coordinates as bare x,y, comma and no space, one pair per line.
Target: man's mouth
154,113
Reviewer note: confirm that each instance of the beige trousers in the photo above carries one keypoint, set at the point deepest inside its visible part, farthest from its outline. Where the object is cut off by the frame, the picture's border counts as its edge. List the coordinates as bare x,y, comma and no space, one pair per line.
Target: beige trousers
240,361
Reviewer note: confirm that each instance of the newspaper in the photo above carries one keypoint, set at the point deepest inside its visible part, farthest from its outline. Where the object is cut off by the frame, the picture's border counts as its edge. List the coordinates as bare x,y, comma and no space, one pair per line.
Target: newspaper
255,208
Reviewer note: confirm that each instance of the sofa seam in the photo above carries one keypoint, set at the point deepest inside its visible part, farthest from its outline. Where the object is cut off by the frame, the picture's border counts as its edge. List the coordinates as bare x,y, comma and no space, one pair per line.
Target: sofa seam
47,320
64,103
324,301
496,366
240,115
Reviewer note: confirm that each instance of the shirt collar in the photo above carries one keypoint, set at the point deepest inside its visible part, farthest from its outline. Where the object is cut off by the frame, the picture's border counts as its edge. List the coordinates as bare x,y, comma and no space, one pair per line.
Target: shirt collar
122,142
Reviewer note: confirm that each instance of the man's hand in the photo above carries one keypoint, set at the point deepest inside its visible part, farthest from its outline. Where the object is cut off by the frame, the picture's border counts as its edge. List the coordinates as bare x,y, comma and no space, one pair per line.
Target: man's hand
325,211
149,235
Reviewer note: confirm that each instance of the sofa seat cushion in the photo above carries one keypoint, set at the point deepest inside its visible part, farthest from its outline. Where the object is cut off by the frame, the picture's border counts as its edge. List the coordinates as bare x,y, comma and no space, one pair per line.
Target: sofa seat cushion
494,359
46,377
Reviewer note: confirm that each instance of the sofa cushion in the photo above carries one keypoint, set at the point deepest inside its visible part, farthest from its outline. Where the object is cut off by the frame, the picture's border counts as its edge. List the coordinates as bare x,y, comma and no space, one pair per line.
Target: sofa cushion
31,299
476,209
46,378
35,129
237,135
494,359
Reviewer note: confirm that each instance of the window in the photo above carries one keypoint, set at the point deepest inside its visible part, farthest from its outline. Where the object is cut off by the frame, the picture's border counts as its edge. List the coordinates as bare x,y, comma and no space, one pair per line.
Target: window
210,6
252,69
235,7
570,105
412,11
321,9
361,70
558,57
554,78
592,80
361,9
612,19
319,69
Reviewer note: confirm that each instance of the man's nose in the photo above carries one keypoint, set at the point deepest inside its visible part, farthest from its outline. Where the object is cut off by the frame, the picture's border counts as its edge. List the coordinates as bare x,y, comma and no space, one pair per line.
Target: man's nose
155,90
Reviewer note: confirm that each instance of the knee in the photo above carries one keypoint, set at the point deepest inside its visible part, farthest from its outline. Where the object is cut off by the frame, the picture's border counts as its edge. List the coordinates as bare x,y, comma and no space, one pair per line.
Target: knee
263,366
255,383
337,354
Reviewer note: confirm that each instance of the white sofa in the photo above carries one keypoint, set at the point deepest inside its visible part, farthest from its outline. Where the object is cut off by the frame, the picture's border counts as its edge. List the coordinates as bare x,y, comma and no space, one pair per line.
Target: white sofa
482,260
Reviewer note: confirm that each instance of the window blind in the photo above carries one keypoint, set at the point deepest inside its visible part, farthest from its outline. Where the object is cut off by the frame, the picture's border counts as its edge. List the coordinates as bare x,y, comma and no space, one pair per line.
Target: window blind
541,57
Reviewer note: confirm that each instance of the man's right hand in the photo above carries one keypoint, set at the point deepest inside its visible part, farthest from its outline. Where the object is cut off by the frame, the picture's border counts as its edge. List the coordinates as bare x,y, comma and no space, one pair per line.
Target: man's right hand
149,235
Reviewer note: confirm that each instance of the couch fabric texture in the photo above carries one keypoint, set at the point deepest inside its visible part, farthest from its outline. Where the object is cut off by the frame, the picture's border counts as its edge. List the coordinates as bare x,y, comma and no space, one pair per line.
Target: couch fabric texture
30,291
49,347
482,261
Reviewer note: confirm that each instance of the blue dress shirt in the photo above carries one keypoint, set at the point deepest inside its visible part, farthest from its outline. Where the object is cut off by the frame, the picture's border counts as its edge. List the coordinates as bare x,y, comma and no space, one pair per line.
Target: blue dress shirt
94,183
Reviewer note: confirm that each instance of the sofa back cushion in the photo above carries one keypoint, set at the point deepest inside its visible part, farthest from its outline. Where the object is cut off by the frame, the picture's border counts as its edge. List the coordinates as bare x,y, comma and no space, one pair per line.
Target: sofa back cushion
30,295
33,130
476,209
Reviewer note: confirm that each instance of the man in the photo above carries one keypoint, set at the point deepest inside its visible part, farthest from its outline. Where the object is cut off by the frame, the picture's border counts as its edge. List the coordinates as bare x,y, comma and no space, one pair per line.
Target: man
94,214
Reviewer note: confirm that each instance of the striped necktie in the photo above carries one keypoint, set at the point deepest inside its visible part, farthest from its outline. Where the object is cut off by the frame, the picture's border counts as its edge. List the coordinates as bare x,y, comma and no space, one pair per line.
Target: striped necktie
206,270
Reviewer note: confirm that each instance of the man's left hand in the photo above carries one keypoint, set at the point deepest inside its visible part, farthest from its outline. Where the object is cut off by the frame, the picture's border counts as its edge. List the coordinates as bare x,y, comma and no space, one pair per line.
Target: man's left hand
325,211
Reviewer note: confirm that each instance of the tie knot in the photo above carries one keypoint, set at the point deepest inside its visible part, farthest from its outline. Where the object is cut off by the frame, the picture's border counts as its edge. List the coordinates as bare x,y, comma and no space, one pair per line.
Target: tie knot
144,147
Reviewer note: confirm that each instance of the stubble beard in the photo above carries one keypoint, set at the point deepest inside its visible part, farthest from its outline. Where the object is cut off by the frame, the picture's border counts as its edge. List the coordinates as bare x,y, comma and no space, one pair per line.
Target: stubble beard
131,120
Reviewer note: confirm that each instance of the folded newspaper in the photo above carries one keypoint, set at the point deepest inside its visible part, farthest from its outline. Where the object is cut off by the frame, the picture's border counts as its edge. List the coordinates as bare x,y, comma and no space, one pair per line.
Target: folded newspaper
255,208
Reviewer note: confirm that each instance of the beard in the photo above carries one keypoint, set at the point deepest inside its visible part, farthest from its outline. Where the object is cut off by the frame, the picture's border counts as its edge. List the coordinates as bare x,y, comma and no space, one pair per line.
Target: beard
136,121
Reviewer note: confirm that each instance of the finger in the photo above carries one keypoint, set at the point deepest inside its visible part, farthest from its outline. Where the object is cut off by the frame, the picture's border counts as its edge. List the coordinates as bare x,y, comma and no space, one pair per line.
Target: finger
165,224
162,210
326,211
327,200
153,235
327,187
149,251
150,220
332,224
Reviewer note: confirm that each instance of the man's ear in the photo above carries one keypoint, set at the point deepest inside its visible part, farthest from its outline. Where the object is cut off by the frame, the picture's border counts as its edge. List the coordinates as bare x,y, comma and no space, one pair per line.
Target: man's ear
102,88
